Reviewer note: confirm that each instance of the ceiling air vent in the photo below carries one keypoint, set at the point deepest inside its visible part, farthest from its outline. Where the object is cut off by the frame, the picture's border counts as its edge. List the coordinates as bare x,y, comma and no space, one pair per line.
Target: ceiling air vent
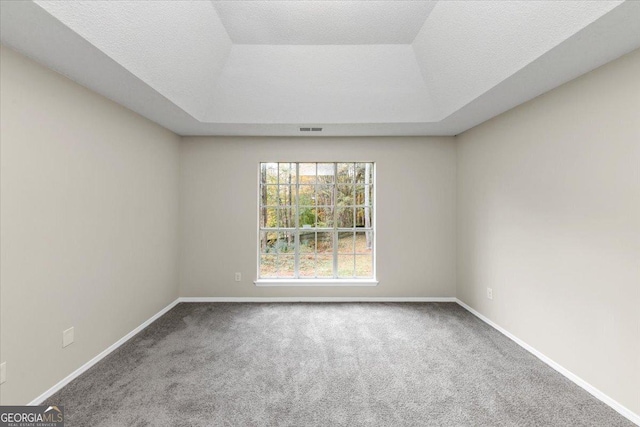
310,129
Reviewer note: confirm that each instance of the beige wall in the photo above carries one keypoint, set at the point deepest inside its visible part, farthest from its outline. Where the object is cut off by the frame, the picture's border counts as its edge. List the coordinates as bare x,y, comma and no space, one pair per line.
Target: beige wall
549,217
415,213
88,222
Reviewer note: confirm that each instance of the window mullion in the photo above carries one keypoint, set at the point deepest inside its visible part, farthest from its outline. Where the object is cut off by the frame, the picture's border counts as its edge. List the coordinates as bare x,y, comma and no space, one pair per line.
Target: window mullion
335,221
278,220
296,273
355,217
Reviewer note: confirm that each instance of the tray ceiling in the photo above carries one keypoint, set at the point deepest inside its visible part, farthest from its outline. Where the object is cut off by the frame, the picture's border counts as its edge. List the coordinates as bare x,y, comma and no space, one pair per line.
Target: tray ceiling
323,22
351,67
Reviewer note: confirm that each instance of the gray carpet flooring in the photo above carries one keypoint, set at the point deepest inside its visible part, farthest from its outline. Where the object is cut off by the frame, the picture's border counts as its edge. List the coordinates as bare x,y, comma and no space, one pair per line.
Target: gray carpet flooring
343,364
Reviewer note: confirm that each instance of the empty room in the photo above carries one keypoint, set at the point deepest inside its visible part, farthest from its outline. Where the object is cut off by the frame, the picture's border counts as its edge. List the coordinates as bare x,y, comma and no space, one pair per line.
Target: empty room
319,213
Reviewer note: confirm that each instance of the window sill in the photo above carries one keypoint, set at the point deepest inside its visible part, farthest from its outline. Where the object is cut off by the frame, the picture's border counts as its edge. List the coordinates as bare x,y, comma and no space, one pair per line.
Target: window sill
316,282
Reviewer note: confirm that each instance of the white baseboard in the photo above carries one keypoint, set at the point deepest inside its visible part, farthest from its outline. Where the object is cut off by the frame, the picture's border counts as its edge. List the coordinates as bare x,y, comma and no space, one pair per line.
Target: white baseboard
622,410
100,356
153,318
317,299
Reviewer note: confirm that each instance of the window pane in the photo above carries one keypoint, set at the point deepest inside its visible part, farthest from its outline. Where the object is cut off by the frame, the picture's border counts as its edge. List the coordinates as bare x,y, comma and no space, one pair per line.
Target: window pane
286,265
287,217
362,169
360,199
307,266
307,217
324,266
268,267
269,196
364,242
364,265
345,265
324,195
344,217
307,195
307,173
307,241
286,194
345,172
345,243
325,217
269,217
325,173
268,240
364,217
286,242
269,173
325,242
287,173
344,195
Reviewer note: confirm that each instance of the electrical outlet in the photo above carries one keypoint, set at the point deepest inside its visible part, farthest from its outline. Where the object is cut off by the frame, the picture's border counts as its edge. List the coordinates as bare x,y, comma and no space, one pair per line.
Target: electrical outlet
67,337
238,277
489,293
3,372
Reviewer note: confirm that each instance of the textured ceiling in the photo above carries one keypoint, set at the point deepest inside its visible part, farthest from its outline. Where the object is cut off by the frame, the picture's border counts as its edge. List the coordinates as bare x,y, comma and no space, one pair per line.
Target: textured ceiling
323,22
176,47
461,56
352,67
319,84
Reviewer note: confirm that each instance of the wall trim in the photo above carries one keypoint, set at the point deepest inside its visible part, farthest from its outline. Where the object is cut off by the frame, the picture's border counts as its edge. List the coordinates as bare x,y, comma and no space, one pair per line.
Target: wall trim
315,282
613,404
75,374
317,299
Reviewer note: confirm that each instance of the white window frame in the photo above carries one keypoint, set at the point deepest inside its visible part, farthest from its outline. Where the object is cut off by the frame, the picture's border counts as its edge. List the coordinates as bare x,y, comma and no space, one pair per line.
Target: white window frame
336,281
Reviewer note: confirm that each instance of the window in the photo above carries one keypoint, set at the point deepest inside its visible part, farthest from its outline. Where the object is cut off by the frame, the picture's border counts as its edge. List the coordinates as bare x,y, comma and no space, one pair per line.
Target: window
316,221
